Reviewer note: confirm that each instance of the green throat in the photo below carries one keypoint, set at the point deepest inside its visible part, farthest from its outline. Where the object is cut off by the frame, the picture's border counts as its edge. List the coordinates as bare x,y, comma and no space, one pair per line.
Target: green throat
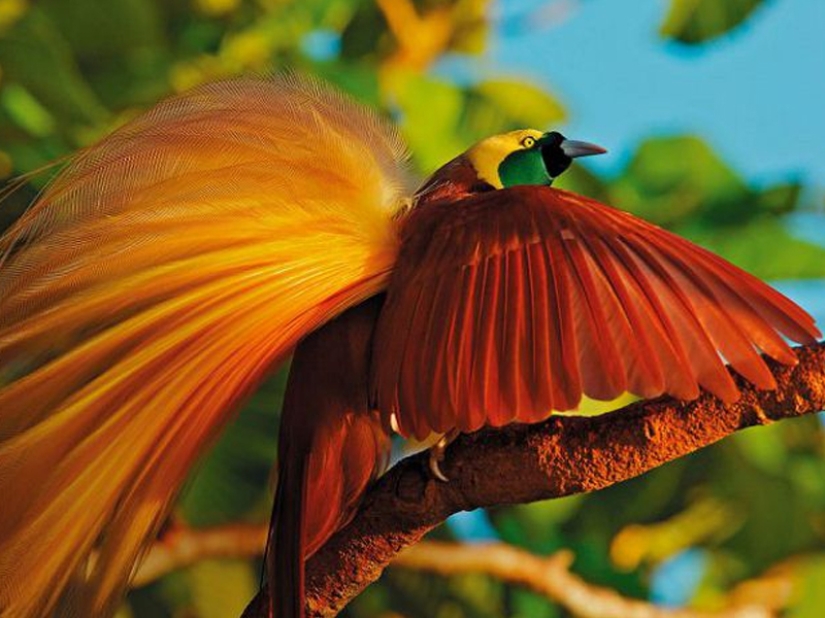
523,167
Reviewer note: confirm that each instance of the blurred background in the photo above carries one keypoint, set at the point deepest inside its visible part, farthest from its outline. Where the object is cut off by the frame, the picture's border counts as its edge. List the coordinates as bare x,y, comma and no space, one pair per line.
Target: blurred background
712,112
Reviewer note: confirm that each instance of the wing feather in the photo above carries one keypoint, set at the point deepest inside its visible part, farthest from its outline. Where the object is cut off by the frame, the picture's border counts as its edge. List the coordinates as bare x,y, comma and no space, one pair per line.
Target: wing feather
640,337
460,350
600,362
537,304
544,297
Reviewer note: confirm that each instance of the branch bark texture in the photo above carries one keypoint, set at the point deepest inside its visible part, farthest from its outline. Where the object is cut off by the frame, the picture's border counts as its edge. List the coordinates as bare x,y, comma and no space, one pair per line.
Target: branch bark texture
522,463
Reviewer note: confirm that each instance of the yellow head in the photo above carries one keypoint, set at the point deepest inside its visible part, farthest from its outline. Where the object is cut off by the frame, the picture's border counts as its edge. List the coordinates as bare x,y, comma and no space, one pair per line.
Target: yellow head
526,157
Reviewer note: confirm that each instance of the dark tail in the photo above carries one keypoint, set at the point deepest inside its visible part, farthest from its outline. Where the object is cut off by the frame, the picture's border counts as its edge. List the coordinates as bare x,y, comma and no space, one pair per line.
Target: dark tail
285,553
331,446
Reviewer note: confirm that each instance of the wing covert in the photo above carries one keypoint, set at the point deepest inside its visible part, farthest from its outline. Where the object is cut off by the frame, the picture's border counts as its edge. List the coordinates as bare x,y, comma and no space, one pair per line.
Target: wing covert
514,303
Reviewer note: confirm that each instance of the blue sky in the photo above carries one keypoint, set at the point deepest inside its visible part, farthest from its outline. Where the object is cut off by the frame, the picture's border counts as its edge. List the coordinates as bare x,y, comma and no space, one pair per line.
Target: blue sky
757,94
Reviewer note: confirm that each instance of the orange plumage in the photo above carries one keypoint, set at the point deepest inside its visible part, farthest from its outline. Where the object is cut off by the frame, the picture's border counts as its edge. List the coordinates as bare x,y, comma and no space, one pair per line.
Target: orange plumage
147,291
170,266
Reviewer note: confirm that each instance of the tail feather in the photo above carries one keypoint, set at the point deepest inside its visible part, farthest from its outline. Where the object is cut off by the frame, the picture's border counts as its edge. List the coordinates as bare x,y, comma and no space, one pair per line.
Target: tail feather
148,292
318,490
288,536
331,446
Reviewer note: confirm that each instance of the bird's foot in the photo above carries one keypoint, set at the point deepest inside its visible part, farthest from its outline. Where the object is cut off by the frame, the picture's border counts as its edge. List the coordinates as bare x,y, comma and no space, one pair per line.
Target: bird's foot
437,454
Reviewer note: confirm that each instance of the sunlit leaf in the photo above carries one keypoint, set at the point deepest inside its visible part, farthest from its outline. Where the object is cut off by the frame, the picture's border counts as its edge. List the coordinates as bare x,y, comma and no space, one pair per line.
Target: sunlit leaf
471,28
763,449
672,179
523,104
221,589
10,12
26,111
810,593
697,21
704,519
217,7
755,246
356,80
429,111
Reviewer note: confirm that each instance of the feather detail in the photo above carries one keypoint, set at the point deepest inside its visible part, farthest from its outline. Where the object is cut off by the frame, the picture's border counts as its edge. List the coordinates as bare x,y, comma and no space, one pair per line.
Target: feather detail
546,298
331,446
148,290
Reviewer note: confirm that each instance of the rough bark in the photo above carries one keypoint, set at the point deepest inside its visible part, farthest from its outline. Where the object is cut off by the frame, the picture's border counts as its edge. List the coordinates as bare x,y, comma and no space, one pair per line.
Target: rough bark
522,463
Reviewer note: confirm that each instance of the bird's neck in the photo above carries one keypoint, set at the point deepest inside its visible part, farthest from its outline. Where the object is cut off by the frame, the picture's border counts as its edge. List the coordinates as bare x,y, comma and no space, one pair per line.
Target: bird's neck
454,180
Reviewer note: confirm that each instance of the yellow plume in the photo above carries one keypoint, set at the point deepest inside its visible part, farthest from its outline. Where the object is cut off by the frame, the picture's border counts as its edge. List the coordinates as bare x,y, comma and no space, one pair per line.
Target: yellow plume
148,290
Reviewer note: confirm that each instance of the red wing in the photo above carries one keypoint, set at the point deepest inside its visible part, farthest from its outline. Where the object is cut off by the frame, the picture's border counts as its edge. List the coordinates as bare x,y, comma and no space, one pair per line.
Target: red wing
511,304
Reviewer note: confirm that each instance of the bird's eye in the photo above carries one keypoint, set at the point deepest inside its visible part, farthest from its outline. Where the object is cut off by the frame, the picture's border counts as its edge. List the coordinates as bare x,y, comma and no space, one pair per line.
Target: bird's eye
528,142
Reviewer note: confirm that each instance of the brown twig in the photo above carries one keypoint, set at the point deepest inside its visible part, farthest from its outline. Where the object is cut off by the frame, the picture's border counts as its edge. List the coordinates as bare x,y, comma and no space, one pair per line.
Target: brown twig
181,547
562,456
549,576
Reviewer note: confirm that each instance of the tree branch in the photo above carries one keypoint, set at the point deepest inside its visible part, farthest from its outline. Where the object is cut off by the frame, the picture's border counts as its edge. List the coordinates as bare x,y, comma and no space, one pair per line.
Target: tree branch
549,576
522,463
181,547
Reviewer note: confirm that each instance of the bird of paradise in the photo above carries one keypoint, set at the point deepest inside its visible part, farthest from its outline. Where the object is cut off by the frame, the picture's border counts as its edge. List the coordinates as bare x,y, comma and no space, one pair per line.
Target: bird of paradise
169,267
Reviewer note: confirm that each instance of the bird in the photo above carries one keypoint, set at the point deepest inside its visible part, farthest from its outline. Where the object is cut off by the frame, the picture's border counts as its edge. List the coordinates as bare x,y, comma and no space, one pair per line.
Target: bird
168,268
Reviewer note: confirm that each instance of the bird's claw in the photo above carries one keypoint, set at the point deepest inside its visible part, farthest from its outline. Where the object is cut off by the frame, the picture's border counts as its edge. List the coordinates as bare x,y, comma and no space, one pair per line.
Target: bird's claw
437,455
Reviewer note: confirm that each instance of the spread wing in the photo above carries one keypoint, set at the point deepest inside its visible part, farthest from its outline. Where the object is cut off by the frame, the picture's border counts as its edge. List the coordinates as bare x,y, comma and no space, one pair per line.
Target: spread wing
514,303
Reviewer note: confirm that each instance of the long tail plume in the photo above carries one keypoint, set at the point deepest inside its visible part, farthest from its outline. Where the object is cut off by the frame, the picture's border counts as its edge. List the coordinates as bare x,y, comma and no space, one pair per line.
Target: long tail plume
331,445
147,291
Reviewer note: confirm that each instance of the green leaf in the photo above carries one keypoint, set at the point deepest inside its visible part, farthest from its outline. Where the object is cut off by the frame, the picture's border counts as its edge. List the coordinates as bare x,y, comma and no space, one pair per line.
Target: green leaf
810,593
221,588
579,179
354,79
366,33
26,111
527,604
698,21
680,183
35,55
124,27
536,526
519,104
429,110
672,179
763,449
779,199
768,501
763,247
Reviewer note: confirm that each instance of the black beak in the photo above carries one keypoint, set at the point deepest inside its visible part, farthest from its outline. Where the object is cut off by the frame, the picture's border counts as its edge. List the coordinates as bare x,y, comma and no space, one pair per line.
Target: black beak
558,152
